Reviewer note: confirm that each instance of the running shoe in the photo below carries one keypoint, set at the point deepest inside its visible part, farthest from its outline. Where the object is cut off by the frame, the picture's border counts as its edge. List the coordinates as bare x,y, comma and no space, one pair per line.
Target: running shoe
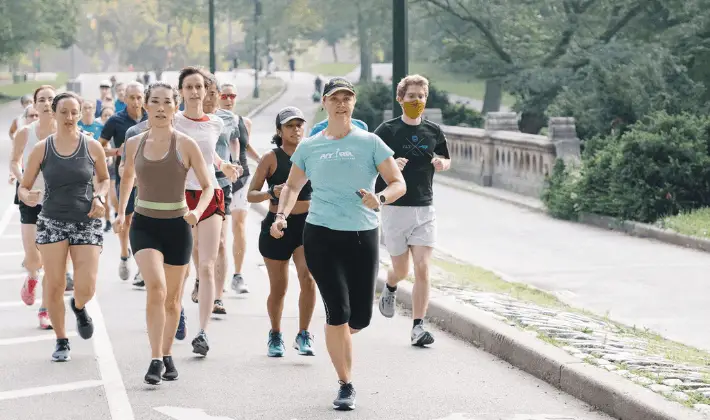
239,285
304,344
155,371
70,282
62,352
346,397
27,293
124,272
138,280
387,301
107,228
200,344
276,346
421,337
170,374
84,323
181,332
44,322
195,291
218,308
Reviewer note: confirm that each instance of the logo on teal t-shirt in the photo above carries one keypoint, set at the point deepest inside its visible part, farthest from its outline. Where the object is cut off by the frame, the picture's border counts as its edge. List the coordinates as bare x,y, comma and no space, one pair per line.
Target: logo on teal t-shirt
337,169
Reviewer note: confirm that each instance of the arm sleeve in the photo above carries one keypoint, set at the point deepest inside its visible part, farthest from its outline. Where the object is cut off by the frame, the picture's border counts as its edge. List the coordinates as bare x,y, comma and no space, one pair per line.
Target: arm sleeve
298,158
381,150
441,149
109,130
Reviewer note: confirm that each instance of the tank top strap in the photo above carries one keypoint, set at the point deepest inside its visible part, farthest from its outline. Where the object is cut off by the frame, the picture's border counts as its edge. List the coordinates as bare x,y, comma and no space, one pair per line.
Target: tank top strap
141,145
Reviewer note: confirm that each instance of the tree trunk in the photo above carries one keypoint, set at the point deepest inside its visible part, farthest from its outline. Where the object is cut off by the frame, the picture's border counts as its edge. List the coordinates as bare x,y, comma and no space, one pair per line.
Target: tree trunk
363,34
335,51
493,96
532,122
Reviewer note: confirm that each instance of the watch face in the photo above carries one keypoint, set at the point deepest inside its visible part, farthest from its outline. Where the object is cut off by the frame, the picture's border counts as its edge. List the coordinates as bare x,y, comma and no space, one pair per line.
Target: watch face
382,199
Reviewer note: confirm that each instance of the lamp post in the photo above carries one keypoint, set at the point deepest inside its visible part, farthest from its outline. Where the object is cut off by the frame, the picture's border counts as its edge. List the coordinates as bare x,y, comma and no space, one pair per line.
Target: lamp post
213,60
400,49
257,14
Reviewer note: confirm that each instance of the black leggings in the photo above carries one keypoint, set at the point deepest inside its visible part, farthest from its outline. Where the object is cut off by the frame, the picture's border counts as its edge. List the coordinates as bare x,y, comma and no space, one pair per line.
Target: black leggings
344,265
171,237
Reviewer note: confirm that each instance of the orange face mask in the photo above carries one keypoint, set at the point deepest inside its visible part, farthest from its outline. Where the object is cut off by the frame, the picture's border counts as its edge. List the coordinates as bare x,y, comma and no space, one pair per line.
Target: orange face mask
413,109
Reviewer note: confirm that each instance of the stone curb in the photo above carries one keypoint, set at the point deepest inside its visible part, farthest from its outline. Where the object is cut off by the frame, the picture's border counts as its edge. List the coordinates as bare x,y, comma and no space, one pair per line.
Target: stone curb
269,101
604,390
641,230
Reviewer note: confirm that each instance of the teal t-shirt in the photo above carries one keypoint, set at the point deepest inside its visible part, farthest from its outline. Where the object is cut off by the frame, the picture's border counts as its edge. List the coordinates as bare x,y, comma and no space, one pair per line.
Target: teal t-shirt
337,169
94,128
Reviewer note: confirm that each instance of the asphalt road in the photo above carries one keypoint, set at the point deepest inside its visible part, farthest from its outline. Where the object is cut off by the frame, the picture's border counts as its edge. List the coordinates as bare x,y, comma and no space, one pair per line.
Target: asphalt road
451,380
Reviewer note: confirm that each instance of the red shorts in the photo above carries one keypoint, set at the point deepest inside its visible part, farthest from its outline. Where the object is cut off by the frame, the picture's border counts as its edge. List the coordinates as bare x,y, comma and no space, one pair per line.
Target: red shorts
216,204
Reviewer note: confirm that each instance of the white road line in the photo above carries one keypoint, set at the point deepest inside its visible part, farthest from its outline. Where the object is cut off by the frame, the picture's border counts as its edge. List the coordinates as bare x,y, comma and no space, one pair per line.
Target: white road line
51,389
118,403
5,220
31,339
12,236
12,254
18,275
21,303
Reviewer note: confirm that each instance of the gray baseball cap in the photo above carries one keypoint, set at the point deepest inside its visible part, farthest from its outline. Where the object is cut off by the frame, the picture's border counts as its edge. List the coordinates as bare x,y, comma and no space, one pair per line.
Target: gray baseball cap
287,114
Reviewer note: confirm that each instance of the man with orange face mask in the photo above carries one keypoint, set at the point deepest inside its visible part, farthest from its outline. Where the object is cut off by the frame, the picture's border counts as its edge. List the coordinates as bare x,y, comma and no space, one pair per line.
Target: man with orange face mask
409,224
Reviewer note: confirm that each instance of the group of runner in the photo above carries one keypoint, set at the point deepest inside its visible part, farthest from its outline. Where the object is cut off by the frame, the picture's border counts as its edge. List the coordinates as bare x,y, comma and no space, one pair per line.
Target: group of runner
180,173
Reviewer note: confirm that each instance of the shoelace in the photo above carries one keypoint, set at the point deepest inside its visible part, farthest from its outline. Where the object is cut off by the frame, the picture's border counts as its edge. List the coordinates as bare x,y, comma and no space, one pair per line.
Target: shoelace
275,340
346,390
307,338
389,298
62,345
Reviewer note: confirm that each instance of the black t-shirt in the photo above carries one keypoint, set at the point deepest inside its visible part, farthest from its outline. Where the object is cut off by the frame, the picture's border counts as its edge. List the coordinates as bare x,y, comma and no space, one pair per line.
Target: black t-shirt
419,144
243,142
115,130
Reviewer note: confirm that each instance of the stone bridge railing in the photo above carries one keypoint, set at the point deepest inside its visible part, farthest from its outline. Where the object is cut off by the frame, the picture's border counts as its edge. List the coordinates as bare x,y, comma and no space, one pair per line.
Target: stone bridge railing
500,156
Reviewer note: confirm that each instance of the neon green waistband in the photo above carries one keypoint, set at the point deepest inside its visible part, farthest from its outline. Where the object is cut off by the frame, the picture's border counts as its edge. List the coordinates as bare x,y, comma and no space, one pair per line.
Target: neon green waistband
152,205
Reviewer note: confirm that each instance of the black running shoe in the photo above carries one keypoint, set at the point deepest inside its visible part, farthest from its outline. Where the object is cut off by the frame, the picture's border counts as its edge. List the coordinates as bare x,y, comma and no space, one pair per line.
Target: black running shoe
84,324
200,345
346,397
170,374
62,352
155,370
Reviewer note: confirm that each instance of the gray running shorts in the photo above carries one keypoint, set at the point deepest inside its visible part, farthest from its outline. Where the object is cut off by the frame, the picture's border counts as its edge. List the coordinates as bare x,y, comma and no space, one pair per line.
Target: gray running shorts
403,227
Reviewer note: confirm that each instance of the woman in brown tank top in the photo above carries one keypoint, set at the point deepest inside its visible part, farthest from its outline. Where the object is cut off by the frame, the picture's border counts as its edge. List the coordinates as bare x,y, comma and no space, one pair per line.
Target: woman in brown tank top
160,232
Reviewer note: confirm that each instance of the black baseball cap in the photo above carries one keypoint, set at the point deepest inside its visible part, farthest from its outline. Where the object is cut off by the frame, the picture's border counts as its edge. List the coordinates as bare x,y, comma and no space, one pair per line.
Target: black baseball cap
337,84
287,114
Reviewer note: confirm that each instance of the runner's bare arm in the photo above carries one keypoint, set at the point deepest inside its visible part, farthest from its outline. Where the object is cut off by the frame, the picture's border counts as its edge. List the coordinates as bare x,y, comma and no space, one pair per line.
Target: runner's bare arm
102,178
396,187
289,194
252,153
128,163
13,129
19,142
255,195
192,157
31,170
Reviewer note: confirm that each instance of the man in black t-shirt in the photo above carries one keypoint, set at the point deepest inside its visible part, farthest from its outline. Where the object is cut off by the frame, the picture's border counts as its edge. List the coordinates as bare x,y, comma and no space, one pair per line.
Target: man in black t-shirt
409,224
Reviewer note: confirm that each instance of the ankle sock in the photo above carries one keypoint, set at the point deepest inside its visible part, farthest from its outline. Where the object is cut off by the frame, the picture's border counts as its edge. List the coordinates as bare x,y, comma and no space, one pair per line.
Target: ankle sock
418,322
391,288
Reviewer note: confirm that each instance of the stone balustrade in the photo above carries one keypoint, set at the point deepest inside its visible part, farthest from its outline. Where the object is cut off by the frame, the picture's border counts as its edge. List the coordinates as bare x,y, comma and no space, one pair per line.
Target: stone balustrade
500,156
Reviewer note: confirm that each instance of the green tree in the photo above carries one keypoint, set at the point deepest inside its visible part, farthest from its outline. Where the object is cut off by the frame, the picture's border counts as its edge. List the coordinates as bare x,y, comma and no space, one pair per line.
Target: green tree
26,24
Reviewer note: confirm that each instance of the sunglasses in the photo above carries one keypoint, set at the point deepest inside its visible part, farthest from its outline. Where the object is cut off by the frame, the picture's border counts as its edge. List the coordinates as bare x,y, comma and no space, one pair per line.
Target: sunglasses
230,96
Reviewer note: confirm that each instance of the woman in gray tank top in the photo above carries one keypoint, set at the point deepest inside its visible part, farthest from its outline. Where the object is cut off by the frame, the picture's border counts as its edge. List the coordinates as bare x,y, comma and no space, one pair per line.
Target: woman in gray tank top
70,219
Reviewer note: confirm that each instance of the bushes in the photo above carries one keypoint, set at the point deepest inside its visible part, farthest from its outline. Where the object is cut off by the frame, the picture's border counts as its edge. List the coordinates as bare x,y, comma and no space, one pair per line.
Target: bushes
373,98
658,167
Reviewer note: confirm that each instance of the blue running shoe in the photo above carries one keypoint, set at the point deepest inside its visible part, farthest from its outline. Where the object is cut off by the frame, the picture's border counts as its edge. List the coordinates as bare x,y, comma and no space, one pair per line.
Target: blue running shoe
276,345
181,332
304,343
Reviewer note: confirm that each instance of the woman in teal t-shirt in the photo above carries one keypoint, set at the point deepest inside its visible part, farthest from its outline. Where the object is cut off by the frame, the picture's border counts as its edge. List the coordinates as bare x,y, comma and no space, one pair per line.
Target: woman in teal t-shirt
341,236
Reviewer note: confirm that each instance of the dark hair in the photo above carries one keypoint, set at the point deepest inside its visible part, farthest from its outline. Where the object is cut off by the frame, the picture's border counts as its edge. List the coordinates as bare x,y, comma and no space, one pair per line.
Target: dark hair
65,95
190,70
277,140
157,85
41,88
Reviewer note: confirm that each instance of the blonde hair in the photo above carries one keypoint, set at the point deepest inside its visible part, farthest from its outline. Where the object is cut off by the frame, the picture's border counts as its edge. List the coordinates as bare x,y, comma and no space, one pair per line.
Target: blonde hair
412,80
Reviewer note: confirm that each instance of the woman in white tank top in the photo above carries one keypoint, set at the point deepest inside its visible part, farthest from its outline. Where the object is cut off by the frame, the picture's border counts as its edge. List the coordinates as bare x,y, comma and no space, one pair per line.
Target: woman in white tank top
205,130
22,144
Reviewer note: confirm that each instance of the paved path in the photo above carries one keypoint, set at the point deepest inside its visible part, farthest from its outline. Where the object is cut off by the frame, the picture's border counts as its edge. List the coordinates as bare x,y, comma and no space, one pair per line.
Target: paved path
237,381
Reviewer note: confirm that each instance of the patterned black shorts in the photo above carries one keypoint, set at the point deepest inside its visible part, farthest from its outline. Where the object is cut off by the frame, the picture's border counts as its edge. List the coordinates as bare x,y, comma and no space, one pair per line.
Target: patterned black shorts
51,231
